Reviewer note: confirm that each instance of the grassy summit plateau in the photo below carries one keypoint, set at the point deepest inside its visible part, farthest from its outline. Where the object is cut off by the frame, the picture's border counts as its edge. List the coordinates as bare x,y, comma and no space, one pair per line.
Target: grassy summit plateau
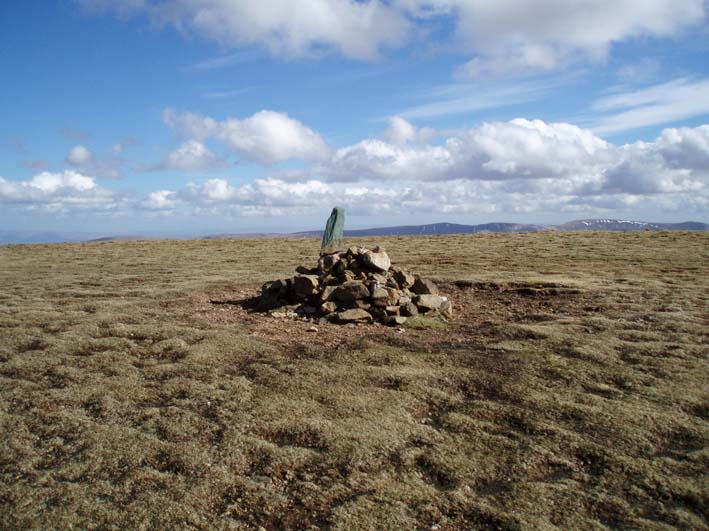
569,391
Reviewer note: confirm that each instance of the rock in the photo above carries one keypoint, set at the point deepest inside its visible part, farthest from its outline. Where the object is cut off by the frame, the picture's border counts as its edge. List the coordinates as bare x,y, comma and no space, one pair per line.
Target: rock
379,279
428,302
327,292
350,291
409,309
379,293
361,303
305,285
355,315
312,329
328,307
423,286
334,233
396,320
379,314
376,260
404,279
392,310
446,309
305,270
328,261
309,310
394,296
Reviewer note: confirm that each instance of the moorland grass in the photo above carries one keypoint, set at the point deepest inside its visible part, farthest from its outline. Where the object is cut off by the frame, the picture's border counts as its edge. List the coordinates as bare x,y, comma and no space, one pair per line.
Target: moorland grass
569,392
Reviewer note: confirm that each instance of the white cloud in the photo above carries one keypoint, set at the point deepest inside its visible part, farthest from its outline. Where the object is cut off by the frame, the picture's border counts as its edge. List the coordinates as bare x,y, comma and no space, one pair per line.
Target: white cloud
517,168
78,155
58,191
402,131
461,98
296,29
267,137
191,156
503,36
543,34
161,200
658,104
520,149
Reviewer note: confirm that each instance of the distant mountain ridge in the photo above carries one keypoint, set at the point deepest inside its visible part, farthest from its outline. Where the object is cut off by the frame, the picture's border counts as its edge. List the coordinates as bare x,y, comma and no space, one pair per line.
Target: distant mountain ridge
9,237
433,229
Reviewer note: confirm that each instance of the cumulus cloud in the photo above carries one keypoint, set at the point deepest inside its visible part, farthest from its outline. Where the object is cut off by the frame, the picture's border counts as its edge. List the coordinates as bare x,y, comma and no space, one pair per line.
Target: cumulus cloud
191,156
161,200
266,137
78,155
502,36
296,29
107,166
520,149
521,167
401,131
544,34
58,191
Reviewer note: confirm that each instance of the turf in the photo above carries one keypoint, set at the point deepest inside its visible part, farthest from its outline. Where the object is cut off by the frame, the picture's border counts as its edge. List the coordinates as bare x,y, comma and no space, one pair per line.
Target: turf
137,390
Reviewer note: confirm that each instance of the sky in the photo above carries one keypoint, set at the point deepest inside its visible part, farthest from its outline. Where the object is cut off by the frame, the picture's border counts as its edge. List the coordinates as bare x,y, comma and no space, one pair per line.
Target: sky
225,116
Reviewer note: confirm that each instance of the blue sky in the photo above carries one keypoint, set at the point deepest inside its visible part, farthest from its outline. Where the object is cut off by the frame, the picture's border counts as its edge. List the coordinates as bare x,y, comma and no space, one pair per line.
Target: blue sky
199,116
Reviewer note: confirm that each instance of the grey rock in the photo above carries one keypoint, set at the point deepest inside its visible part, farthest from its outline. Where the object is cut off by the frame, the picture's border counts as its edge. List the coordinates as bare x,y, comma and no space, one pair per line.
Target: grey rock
392,310
328,261
396,320
380,293
305,285
328,307
423,286
355,315
409,309
428,302
350,291
404,279
376,260
327,292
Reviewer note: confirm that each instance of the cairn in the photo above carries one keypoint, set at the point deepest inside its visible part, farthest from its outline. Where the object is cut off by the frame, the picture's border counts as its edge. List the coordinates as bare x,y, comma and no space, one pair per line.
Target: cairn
358,285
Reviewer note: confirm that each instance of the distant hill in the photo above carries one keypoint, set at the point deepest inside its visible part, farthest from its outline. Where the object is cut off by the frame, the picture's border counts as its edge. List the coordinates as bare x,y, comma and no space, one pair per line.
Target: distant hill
624,225
404,230
432,229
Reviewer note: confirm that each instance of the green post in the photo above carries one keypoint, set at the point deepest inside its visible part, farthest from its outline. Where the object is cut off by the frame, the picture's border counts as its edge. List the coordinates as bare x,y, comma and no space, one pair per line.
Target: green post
332,239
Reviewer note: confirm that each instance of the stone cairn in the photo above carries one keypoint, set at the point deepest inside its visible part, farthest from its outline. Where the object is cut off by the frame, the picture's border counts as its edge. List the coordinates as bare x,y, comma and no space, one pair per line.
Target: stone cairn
358,285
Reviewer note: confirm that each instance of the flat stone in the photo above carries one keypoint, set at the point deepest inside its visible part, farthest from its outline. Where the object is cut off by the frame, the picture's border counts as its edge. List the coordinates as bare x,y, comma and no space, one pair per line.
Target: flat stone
327,292
428,302
396,320
409,309
392,310
377,261
380,293
350,291
328,261
423,286
305,285
404,279
356,315
379,314
328,307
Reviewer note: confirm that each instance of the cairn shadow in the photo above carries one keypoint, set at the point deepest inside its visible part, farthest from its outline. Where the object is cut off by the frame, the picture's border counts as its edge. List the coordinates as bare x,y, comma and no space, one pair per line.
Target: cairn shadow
249,304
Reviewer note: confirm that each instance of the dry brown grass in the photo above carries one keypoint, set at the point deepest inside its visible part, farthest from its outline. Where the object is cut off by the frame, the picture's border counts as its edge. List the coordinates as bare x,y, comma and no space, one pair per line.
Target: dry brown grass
570,391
